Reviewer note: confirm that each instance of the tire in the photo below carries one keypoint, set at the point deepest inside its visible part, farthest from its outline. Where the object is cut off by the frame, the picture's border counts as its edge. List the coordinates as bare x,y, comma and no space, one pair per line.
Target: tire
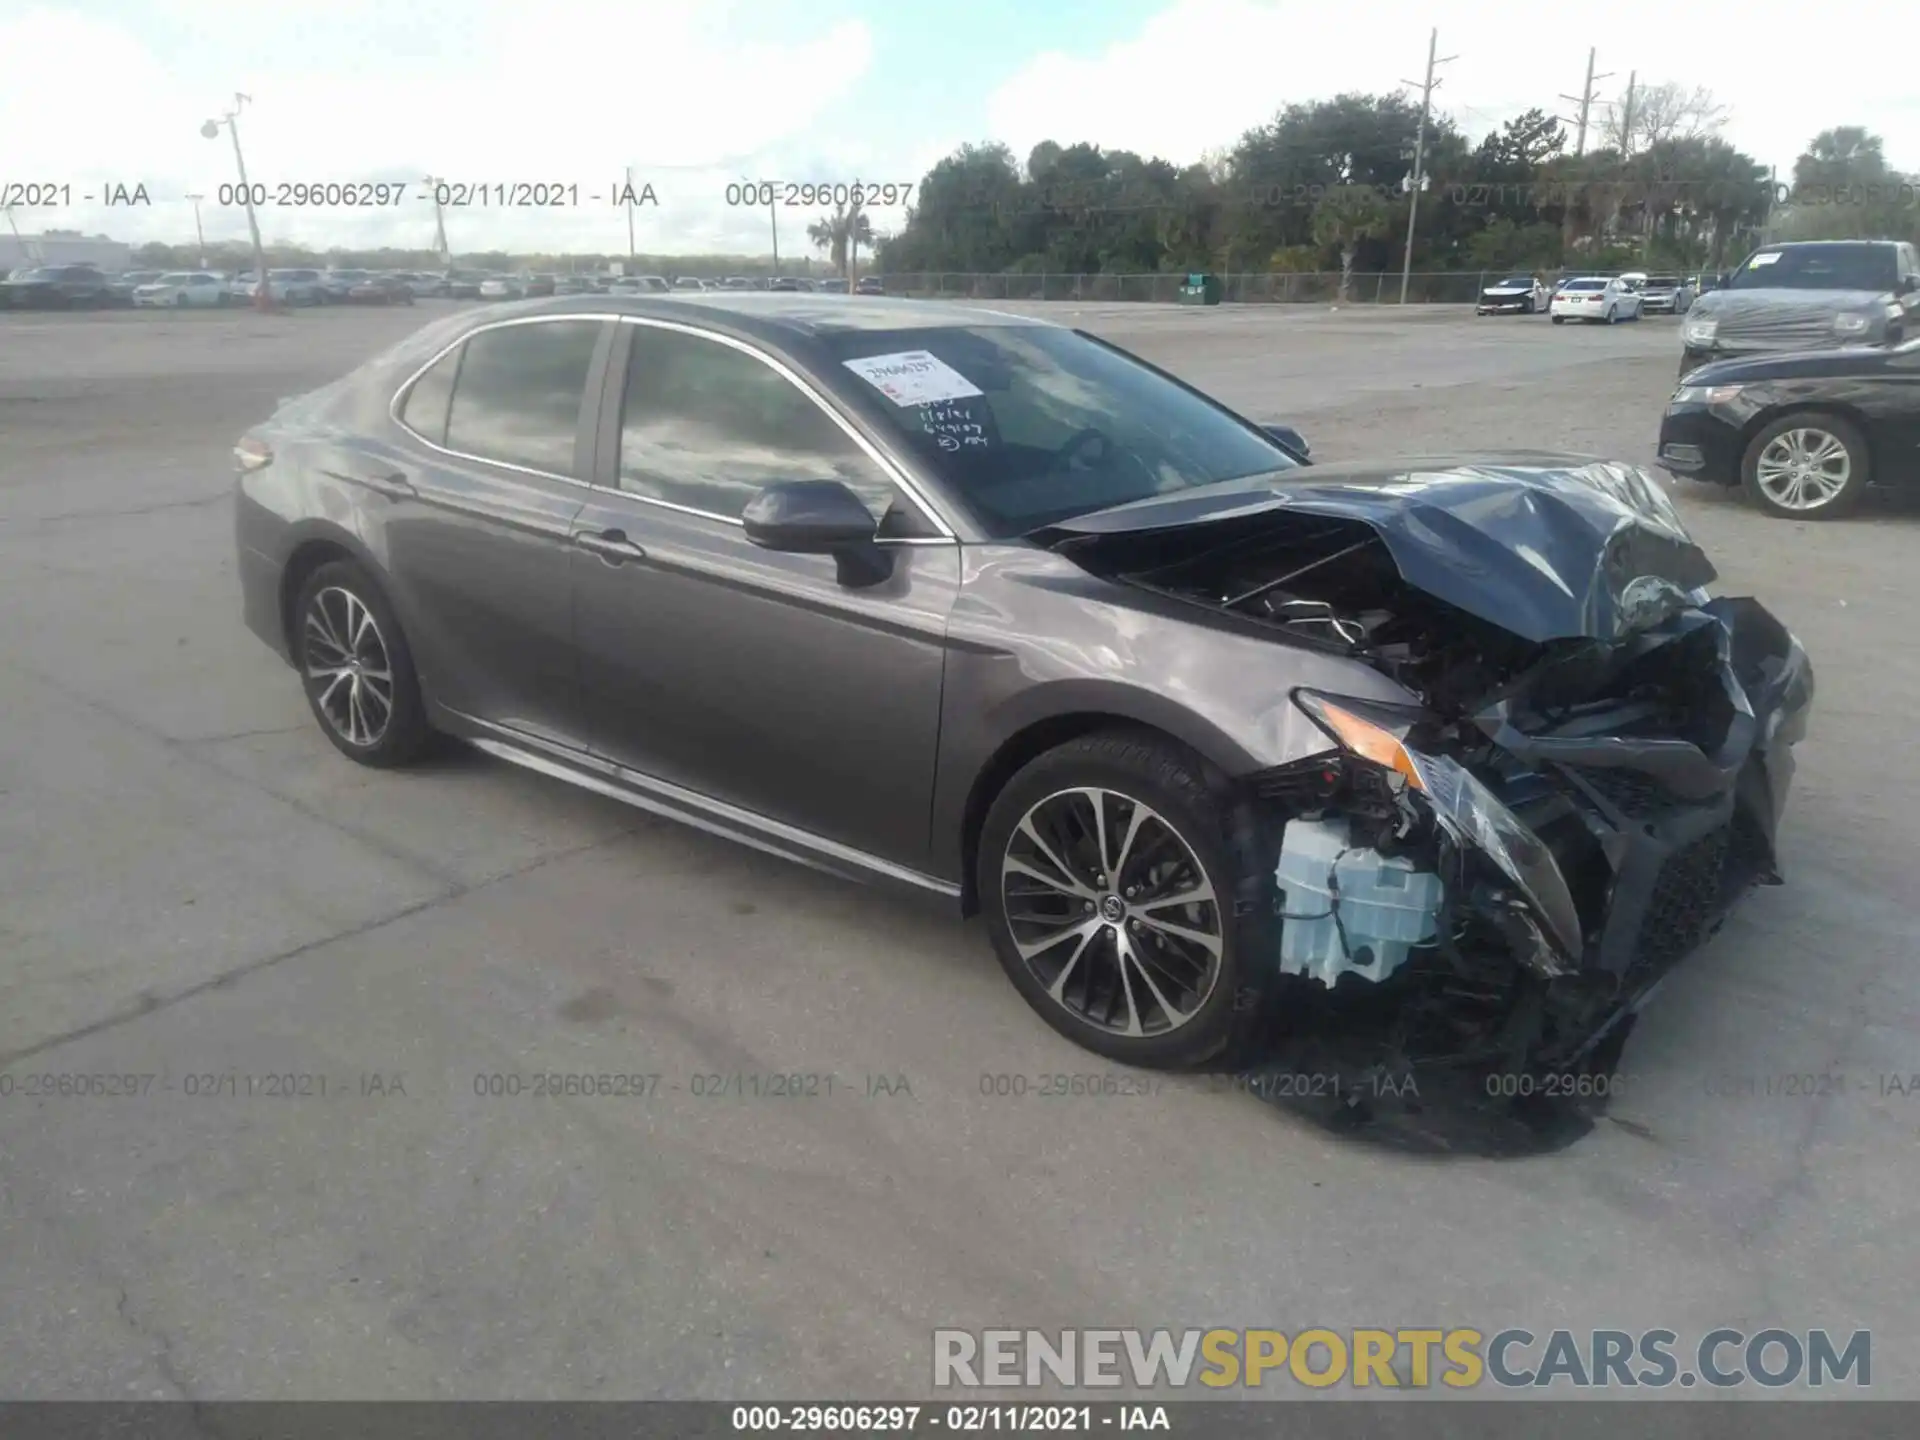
1526,307
1816,432
180,302
1559,319
1613,316
1200,1005
343,591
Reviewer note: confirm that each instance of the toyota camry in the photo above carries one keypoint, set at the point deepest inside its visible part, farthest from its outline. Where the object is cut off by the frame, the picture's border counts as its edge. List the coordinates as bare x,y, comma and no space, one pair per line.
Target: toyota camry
993,611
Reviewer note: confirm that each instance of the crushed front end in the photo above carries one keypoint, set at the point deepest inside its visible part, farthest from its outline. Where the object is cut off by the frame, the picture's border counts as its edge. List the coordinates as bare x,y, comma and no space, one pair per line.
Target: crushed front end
1560,847
1588,771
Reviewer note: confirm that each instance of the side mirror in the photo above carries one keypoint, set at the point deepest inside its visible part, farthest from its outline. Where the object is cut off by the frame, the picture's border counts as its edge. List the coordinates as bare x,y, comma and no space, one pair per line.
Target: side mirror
819,517
1289,440
1909,284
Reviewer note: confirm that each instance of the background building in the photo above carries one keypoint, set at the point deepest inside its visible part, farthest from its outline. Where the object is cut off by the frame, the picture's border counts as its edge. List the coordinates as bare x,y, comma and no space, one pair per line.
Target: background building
63,247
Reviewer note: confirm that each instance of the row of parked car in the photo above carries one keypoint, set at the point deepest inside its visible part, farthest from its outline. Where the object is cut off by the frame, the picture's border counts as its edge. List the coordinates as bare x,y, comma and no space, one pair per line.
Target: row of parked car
526,287
81,287
74,287
1591,297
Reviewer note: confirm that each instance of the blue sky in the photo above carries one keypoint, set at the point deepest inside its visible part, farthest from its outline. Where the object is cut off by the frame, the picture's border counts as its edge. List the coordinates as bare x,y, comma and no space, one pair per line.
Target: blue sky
95,91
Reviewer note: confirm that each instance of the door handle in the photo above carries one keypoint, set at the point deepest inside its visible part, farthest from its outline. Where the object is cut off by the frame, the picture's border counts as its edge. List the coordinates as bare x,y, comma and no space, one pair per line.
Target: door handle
613,546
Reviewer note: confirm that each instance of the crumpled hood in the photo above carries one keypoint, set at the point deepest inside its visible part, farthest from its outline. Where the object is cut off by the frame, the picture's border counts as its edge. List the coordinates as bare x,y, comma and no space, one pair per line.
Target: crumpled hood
1545,546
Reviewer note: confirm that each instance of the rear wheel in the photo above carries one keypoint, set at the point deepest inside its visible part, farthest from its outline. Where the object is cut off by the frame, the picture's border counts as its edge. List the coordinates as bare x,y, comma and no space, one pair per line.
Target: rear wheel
1559,319
357,669
1807,466
1127,900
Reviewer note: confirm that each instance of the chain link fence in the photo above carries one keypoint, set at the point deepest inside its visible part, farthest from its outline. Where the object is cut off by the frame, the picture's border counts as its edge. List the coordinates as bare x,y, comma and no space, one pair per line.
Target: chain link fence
1424,287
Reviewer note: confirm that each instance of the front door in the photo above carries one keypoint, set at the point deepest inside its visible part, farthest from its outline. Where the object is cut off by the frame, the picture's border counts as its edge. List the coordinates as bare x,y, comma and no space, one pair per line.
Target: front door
755,678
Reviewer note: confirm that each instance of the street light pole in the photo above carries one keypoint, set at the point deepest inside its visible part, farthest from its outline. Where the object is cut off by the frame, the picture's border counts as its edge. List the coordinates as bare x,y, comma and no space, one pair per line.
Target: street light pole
440,246
773,218
630,254
199,234
1420,156
263,291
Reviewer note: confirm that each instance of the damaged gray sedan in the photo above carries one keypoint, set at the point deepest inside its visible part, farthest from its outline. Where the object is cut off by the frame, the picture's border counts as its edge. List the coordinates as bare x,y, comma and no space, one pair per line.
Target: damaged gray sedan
1218,740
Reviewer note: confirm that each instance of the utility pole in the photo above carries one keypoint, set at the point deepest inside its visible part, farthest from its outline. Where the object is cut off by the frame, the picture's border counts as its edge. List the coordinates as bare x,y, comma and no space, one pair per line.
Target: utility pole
1626,118
1420,155
630,254
440,246
1585,100
199,234
262,292
773,218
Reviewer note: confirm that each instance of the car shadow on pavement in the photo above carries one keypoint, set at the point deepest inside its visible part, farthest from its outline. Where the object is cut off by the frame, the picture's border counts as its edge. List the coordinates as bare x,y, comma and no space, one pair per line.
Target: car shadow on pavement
1357,1086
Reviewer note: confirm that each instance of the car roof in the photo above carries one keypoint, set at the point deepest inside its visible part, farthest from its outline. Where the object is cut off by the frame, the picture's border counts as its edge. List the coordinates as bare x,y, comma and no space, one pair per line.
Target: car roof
776,315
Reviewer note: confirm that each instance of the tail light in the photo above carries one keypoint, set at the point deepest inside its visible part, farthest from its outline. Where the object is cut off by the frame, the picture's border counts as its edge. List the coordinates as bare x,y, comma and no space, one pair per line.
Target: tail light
251,454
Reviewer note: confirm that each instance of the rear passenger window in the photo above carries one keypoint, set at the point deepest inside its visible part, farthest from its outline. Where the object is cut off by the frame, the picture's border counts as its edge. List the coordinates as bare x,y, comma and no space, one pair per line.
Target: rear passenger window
425,410
519,394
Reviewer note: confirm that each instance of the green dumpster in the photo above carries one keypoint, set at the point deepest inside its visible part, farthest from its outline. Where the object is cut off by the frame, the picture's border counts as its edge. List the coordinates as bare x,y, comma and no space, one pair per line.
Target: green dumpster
1200,290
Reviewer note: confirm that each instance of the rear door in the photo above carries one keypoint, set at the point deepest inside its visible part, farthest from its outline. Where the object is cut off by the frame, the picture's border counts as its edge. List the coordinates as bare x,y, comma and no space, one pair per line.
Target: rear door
755,678
496,455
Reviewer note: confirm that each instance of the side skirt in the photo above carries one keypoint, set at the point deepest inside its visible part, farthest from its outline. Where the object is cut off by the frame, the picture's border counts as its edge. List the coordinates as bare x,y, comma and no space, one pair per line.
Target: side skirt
690,807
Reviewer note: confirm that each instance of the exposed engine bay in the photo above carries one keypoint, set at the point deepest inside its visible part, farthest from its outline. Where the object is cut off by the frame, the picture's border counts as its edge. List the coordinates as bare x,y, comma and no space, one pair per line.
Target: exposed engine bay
1586,776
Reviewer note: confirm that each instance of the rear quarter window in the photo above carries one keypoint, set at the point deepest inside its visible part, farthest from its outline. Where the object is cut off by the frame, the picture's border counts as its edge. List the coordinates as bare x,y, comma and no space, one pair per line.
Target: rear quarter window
424,411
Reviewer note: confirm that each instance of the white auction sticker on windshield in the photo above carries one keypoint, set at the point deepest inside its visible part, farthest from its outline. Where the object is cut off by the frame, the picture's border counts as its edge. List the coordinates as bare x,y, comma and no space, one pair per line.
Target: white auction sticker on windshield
1766,259
914,377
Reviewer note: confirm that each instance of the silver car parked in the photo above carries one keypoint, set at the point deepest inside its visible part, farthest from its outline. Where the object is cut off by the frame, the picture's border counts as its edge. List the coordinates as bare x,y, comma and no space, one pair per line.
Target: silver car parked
992,611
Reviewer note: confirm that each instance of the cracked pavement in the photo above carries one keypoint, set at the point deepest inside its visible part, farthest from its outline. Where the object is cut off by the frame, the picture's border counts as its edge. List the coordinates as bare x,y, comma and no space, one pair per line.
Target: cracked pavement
197,892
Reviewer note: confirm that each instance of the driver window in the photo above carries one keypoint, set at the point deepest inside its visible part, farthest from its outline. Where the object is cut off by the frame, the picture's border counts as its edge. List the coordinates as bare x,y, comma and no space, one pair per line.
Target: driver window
707,426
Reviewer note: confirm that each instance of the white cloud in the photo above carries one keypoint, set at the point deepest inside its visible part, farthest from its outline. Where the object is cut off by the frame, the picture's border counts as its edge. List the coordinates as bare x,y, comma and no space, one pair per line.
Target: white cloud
1204,71
566,91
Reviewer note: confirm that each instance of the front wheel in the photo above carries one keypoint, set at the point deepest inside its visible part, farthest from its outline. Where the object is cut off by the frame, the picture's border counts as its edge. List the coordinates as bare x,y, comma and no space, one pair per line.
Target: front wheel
1807,466
1128,900
1526,307
357,669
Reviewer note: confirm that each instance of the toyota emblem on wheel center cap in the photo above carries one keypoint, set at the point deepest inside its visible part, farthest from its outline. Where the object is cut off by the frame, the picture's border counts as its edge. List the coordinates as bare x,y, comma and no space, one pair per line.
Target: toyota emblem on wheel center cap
1113,908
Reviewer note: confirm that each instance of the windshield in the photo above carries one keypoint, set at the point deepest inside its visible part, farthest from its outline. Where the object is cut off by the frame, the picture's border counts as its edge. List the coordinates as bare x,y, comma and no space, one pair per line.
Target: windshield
1029,425
1818,267
179,277
41,273
1664,282
1509,281
1586,285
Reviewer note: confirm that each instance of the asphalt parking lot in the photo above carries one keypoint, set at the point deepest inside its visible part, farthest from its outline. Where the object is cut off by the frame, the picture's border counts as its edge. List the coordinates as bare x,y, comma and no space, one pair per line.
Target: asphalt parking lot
194,884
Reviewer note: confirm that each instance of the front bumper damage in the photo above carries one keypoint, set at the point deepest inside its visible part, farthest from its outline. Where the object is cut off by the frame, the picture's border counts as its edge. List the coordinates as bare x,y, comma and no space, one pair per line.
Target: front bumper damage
1577,850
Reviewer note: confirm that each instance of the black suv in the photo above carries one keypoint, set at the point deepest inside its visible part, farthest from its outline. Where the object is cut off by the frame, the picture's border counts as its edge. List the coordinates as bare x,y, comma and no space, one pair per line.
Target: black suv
1809,295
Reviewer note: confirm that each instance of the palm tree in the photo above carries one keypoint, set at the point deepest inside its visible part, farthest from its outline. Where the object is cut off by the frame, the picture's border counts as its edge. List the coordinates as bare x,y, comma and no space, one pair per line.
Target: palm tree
841,235
1346,216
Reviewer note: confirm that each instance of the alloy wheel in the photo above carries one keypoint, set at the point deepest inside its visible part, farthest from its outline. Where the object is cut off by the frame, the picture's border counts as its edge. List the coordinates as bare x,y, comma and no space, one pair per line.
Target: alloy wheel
347,667
1803,469
1112,912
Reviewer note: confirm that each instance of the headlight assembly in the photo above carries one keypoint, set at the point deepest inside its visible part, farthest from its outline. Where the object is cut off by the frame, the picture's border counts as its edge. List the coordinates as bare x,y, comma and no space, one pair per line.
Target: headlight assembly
1705,394
1378,735
1700,331
1846,324
1463,807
